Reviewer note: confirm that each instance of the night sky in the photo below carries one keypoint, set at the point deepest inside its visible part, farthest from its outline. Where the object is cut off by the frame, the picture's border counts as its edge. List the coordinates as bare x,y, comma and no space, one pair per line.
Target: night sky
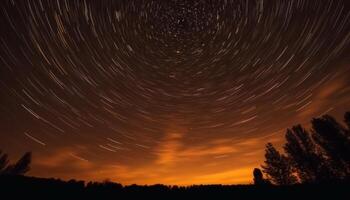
166,91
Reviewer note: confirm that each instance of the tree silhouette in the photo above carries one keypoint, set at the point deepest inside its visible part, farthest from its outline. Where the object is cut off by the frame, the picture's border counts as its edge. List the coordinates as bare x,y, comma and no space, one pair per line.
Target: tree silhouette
21,167
304,156
3,162
277,167
320,157
335,141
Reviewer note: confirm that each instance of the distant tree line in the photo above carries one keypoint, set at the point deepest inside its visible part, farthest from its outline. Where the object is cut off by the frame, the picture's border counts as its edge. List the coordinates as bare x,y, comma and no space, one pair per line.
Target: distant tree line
321,155
26,187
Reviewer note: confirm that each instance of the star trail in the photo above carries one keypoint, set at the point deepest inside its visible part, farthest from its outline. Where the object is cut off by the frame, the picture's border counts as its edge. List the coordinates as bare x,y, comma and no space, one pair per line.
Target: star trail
174,92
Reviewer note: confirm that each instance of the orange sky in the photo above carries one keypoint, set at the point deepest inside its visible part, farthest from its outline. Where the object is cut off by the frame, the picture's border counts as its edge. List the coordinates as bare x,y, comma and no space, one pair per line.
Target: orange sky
175,161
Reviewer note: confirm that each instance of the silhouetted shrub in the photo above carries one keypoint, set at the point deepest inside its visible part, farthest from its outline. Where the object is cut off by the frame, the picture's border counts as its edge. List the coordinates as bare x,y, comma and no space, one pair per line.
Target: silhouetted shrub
259,178
21,167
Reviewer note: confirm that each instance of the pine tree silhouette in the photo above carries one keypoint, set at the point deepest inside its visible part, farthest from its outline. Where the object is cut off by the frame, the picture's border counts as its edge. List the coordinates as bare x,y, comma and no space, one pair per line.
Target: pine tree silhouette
335,141
277,167
304,156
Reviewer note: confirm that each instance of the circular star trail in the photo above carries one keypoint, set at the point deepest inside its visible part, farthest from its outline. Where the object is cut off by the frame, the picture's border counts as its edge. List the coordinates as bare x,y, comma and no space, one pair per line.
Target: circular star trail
165,84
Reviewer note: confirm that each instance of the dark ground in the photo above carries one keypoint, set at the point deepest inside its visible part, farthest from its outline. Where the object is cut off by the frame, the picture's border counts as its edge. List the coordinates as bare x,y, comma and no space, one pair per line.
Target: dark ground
22,187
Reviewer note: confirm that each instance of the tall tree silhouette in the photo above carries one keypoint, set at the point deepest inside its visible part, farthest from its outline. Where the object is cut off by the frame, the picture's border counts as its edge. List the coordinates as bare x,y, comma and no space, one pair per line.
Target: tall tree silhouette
277,167
304,156
335,141
21,167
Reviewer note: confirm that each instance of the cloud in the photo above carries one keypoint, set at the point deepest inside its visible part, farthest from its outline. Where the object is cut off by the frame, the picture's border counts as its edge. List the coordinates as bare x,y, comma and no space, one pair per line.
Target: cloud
167,151
322,101
200,151
67,157
172,150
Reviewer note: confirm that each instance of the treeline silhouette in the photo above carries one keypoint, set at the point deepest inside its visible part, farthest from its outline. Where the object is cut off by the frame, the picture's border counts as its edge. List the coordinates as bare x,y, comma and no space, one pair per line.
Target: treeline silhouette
315,164
321,155
16,187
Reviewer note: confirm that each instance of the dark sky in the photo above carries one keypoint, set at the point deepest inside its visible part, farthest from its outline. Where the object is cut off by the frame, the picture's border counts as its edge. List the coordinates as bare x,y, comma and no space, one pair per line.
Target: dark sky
174,92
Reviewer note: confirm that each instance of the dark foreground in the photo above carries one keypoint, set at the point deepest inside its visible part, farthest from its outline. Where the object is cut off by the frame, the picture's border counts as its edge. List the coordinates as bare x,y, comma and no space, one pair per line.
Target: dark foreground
13,187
